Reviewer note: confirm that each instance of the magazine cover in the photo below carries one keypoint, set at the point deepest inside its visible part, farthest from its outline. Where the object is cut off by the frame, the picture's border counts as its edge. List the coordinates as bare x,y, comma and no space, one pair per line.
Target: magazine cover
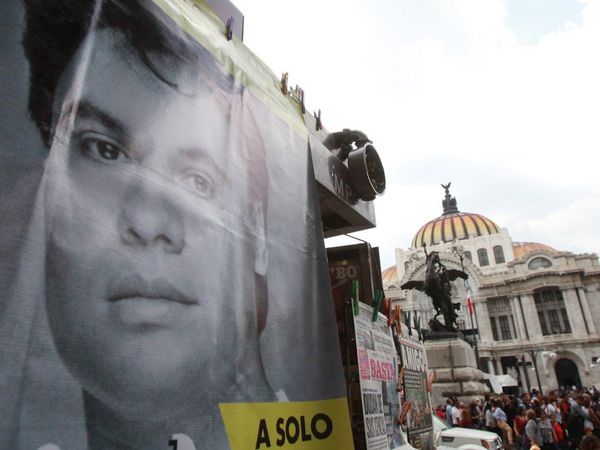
378,372
419,422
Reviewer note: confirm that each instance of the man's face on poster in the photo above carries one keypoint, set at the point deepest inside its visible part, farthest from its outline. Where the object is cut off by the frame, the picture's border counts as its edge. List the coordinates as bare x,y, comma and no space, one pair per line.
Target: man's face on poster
151,252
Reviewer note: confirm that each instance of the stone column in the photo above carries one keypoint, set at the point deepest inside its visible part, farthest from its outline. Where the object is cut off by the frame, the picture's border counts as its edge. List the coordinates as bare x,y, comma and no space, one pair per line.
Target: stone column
575,313
498,366
483,318
519,321
522,376
586,310
532,321
490,367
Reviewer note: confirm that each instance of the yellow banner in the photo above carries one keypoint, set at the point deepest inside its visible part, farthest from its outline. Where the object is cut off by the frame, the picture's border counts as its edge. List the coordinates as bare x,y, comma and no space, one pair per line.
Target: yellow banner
323,425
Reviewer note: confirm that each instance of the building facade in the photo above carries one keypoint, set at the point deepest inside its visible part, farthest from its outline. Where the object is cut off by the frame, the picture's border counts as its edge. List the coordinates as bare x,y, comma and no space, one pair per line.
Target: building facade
536,309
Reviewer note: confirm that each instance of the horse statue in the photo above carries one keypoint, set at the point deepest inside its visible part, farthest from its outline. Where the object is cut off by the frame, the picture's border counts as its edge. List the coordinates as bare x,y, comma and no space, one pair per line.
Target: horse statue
437,286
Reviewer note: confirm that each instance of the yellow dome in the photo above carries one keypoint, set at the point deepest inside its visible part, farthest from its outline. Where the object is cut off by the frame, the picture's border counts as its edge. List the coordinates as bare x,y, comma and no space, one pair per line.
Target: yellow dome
452,225
446,228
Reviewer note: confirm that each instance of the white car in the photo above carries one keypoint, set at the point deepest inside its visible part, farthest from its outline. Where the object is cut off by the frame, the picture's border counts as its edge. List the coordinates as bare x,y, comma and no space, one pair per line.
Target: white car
465,438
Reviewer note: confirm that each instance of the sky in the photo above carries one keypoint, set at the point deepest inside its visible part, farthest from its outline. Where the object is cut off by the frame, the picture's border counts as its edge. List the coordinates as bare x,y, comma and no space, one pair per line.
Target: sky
499,97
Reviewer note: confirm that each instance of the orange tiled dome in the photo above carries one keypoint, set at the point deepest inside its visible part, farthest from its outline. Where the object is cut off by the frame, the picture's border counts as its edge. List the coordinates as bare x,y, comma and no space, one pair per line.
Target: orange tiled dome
520,249
453,224
390,276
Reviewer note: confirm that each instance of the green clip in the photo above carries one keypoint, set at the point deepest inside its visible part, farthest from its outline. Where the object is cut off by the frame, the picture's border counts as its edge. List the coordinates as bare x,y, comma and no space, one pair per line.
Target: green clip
377,304
355,307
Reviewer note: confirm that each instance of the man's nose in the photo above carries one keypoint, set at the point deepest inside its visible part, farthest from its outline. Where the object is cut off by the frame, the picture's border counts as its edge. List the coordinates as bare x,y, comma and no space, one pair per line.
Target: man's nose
150,219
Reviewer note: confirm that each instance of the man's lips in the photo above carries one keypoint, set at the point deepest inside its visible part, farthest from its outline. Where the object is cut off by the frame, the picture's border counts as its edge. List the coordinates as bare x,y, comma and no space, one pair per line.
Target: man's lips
134,287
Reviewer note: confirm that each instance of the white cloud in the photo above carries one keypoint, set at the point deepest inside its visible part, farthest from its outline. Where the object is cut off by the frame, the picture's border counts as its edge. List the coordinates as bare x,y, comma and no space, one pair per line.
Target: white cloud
448,94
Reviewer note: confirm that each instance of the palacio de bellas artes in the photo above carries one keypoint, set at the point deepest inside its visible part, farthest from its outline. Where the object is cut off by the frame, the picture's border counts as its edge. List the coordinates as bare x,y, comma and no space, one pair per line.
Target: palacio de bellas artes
531,312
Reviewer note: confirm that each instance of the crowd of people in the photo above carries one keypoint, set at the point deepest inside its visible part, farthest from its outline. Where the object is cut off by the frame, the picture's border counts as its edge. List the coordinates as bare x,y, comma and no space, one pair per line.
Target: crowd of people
565,419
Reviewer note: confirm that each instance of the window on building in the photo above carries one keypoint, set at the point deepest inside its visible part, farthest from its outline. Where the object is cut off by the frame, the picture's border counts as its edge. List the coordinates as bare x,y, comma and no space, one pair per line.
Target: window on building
494,329
498,254
539,262
468,255
498,305
565,320
504,328
551,311
483,363
483,257
543,323
501,318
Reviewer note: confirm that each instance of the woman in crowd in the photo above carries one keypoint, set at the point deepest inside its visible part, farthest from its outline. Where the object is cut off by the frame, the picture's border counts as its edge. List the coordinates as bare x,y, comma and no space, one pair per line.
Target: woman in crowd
559,433
501,422
519,424
547,432
475,414
532,435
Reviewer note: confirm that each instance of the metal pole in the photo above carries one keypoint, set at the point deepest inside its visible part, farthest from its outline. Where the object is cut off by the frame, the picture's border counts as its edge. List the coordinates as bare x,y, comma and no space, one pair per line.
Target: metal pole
370,265
475,341
537,374
526,374
462,266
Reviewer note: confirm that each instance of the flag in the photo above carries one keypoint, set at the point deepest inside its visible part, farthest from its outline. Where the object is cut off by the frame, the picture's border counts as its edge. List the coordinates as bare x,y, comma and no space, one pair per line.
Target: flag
470,305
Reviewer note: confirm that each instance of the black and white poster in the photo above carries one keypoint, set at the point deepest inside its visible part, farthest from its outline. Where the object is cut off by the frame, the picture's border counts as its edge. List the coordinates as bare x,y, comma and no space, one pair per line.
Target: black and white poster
162,274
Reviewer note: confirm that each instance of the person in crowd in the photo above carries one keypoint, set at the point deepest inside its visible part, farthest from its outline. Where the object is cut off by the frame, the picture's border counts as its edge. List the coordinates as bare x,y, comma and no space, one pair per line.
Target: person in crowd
577,420
559,433
465,416
595,411
565,406
475,413
549,405
456,413
532,435
555,409
490,422
449,407
519,423
501,422
510,408
547,432
525,399
589,416
439,411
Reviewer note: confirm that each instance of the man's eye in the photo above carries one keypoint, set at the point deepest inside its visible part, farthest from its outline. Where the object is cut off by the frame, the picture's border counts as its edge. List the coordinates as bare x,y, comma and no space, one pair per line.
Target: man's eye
102,150
200,183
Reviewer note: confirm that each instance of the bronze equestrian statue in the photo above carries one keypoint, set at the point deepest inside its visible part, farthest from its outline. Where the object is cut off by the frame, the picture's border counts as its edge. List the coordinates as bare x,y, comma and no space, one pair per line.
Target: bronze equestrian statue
437,286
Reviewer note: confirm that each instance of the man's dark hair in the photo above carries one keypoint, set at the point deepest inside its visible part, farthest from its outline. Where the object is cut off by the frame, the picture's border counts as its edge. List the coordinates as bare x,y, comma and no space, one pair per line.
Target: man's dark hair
56,29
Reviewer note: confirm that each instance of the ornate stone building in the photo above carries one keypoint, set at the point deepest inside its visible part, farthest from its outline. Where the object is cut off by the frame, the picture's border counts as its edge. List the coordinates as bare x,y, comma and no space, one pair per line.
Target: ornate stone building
537,309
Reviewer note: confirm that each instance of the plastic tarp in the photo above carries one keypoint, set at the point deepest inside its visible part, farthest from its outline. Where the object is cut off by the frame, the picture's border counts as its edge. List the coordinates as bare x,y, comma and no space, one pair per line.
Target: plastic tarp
498,382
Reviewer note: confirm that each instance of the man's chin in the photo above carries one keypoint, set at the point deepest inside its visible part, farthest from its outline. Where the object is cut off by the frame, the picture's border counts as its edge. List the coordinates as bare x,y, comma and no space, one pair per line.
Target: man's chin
146,406
143,393
140,375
